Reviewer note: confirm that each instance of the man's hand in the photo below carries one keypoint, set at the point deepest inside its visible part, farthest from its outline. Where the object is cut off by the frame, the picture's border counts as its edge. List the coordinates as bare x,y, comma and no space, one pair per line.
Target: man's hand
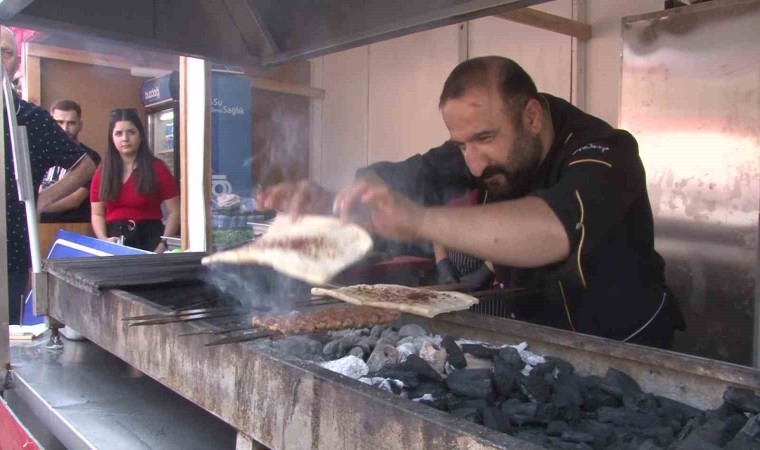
295,199
390,214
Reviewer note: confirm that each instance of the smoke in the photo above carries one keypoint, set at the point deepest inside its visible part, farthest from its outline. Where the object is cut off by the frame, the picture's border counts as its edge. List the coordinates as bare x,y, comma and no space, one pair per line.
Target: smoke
280,138
258,288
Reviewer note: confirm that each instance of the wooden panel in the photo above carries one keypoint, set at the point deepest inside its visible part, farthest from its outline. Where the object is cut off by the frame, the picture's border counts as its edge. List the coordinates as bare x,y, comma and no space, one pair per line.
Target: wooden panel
47,233
344,116
406,77
545,55
32,79
97,89
549,22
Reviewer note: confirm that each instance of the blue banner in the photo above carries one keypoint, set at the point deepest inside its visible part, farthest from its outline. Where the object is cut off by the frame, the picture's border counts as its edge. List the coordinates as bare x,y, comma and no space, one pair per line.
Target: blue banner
231,138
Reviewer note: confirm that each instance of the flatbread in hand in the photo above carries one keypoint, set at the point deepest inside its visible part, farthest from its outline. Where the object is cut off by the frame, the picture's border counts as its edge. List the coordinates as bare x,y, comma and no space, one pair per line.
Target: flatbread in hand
418,301
313,249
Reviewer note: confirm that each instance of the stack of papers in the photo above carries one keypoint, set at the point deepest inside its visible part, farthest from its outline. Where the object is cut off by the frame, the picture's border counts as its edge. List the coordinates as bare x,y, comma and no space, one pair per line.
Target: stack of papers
26,332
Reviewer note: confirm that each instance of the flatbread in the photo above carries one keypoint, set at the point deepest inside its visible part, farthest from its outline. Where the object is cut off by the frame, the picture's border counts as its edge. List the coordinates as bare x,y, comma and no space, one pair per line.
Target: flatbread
418,301
313,249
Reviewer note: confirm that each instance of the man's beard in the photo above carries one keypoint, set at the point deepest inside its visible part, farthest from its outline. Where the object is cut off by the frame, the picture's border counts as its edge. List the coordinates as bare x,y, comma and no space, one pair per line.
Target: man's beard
514,179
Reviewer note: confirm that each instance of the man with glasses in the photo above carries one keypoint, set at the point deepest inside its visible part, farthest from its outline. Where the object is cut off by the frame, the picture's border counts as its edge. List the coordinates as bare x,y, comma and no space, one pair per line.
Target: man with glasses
568,214
48,146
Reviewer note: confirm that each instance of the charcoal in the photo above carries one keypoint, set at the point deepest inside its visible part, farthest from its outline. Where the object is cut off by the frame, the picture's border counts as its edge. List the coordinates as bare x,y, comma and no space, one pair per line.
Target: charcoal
478,363
411,330
720,432
602,432
301,347
559,444
346,343
331,350
358,352
536,388
436,390
382,356
437,403
748,438
480,351
567,399
434,356
643,402
691,425
368,343
471,383
627,418
648,444
742,400
555,428
696,442
455,355
395,372
505,377
564,368
509,356
528,413
494,419
376,331
544,368
471,414
425,371
577,436
677,410
620,385
388,338
459,403
533,436
662,436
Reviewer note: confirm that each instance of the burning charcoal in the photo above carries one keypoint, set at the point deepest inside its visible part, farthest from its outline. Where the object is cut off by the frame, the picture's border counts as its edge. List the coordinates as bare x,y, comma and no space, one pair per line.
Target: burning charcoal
455,355
556,428
505,376
418,365
404,350
368,343
510,356
620,385
331,349
742,400
436,390
376,331
382,355
412,330
434,356
300,347
578,437
350,366
480,351
395,372
471,414
494,419
536,388
388,338
471,383
358,352
477,363
749,436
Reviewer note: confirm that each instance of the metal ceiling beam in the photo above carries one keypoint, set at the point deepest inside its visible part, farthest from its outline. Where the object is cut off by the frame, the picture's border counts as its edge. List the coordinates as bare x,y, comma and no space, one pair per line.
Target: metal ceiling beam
369,22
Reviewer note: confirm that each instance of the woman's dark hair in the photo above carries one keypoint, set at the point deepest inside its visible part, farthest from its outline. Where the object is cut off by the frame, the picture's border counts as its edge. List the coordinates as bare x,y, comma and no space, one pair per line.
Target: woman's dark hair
113,167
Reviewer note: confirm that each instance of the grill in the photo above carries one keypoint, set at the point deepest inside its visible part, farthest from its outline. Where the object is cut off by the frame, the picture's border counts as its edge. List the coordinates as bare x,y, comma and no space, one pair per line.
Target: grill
284,402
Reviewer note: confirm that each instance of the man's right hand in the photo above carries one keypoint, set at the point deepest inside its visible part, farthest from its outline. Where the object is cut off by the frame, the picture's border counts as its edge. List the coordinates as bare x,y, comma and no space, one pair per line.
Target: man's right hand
295,199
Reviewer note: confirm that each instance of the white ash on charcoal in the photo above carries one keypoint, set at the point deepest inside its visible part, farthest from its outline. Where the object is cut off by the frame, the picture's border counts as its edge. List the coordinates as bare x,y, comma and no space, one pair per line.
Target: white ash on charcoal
539,399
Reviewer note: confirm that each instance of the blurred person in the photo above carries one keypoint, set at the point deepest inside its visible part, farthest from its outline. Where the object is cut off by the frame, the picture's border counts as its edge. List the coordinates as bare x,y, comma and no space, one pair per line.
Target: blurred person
130,187
74,207
48,146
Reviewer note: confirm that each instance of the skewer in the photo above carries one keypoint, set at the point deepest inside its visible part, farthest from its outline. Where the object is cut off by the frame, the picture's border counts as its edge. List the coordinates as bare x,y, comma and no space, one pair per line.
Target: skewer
175,314
189,318
243,338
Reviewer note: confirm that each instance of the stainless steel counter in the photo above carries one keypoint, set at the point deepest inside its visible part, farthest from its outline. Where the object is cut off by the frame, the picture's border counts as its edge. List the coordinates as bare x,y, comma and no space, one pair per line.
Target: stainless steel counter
89,398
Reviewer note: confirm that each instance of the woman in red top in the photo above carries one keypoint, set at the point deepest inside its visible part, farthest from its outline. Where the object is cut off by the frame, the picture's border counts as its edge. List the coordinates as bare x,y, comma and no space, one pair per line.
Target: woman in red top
129,188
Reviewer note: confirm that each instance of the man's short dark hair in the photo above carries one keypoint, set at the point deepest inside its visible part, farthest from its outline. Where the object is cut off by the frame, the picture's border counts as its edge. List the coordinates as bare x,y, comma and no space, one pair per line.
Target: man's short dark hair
515,86
66,105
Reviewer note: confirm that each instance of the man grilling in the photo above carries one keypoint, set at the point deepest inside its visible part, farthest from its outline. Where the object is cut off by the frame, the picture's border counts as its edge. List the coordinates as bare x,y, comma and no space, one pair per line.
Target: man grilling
568,214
